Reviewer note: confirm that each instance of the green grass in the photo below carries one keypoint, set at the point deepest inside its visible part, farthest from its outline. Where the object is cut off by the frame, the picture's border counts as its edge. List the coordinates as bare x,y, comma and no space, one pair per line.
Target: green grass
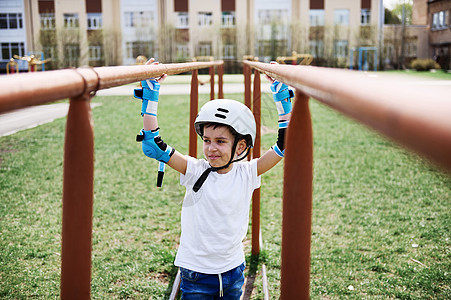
439,74
372,202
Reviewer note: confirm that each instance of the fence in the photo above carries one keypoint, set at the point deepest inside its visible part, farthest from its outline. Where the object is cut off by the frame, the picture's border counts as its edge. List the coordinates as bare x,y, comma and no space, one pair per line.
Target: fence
415,117
80,85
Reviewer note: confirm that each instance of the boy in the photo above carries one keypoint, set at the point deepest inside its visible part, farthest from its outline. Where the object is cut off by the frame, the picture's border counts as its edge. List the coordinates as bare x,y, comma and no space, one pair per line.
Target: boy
215,212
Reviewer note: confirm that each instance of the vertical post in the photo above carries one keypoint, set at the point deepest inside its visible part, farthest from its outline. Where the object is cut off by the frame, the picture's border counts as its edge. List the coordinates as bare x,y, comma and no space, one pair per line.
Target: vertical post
247,85
220,81
247,92
212,82
194,103
256,153
78,191
297,203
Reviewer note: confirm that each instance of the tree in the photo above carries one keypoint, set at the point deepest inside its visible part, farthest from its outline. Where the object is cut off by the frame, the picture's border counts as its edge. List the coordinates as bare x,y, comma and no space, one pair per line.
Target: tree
397,11
391,18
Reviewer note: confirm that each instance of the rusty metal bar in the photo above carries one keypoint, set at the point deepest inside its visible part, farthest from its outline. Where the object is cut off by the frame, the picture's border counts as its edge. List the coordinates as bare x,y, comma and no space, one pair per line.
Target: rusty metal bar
27,89
220,82
23,90
409,114
212,82
256,153
297,203
247,86
78,194
193,110
247,92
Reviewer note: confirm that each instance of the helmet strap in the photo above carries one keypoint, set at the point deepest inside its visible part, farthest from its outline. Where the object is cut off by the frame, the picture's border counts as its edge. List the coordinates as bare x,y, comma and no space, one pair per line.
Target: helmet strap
200,181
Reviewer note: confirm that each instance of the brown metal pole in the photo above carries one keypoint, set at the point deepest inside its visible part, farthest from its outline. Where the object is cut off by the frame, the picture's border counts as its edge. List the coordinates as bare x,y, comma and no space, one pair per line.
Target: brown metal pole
297,203
212,82
247,85
256,153
78,191
194,105
220,81
247,92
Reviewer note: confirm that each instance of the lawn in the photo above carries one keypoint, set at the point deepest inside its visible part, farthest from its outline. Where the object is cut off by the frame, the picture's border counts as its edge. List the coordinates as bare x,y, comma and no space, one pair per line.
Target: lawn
381,216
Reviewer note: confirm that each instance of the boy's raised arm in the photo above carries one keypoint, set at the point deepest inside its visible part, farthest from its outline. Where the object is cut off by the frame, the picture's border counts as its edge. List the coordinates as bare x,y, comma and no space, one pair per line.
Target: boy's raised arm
152,144
282,97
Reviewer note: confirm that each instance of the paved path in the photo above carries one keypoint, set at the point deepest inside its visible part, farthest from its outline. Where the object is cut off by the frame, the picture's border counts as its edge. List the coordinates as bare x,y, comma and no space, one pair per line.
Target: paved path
179,89
30,117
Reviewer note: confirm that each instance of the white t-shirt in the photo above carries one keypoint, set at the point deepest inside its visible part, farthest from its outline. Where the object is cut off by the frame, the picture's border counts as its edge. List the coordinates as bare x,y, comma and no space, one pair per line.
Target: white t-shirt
216,218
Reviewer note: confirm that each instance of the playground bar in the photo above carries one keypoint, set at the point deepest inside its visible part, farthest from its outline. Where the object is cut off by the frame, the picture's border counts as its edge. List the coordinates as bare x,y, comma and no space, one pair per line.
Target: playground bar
27,89
194,106
21,90
412,116
256,153
416,117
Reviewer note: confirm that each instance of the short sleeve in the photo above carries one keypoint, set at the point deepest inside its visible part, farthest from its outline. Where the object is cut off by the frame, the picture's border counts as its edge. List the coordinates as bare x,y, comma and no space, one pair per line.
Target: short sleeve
194,169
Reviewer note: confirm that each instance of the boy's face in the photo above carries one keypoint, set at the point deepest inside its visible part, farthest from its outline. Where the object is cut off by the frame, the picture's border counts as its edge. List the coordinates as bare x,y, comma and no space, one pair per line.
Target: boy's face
217,146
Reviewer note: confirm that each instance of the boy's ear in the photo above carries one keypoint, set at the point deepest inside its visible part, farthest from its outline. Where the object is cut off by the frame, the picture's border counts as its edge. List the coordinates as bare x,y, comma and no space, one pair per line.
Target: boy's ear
240,147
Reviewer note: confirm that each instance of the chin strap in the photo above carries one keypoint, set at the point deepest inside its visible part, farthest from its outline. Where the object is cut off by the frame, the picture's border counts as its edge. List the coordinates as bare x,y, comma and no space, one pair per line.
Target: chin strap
200,181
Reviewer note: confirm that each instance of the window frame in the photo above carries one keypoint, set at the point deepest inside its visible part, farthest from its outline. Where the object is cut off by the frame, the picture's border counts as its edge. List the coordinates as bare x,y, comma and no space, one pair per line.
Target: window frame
341,17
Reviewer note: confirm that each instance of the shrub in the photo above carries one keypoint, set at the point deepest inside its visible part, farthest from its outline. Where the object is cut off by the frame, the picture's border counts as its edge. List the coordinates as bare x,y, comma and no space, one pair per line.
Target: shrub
424,64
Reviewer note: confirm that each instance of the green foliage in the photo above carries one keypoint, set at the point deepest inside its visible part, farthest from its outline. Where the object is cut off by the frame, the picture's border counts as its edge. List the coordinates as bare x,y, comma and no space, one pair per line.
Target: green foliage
424,64
373,203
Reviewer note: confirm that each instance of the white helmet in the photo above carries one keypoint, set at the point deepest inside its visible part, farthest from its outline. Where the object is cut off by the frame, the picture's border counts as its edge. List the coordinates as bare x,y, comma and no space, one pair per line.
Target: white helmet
228,112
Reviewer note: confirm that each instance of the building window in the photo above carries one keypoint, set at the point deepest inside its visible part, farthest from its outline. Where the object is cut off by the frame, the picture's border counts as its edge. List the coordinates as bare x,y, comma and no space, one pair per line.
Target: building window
71,21
47,21
439,20
273,24
341,48
49,51
95,53
182,52
11,21
205,19
204,49
94,21
411,50
137,48
182,20
228,52
341,17
72,54
228,19
9,49
316,17
316,48
138,18
365,17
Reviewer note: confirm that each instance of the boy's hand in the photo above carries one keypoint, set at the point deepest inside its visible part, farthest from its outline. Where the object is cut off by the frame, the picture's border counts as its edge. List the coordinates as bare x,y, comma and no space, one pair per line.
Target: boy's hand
149,93
270,78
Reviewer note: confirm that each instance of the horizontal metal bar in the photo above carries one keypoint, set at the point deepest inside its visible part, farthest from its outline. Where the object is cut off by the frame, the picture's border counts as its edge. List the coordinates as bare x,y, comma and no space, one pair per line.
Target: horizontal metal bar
419,118
21,90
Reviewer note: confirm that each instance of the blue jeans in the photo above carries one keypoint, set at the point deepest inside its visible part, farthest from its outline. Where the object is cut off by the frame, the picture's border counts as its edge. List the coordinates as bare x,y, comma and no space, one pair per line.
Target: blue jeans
195,285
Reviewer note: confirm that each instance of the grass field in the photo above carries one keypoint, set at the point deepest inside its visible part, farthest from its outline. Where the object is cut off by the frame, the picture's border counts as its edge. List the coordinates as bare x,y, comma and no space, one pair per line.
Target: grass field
381,216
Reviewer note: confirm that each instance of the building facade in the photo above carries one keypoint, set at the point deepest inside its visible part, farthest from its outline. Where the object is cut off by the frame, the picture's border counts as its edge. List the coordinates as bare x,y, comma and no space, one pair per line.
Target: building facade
439,15
114,32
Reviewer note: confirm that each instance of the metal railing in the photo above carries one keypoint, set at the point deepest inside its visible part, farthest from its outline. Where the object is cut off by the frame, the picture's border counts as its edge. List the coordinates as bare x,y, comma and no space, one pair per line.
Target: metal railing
417,118
80,85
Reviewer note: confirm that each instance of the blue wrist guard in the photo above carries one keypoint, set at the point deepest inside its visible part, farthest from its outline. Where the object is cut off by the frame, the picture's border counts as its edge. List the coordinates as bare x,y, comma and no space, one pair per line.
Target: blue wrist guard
282,97
149,94
279,147
153,146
